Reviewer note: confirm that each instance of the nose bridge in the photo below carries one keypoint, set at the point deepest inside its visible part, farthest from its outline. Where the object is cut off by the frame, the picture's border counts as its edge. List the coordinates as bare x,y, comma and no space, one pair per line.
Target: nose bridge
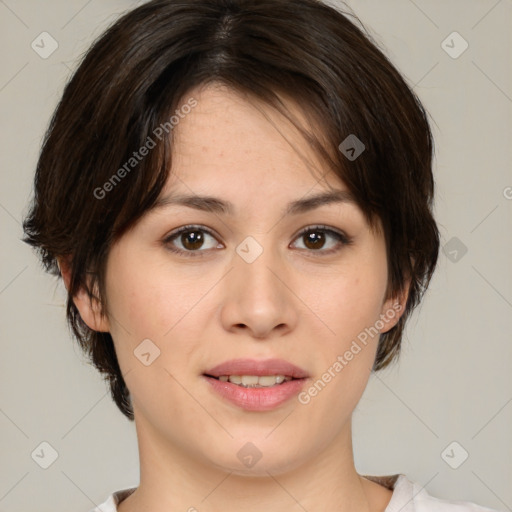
256,268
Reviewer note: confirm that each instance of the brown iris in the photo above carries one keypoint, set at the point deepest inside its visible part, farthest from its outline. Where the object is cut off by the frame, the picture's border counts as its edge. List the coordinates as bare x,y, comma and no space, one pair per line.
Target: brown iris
314,239
192,239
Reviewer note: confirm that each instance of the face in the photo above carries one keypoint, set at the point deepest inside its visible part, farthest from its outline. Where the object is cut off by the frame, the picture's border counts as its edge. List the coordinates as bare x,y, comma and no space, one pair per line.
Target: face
257,282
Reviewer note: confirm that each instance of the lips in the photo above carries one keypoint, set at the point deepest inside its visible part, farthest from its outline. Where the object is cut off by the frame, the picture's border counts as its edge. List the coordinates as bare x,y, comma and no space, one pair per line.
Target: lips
256,399
257,367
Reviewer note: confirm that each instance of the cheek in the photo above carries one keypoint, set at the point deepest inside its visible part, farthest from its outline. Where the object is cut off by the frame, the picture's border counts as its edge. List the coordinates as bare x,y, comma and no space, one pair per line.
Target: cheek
350,305
352,301
152,300
147,301
145,296
134,298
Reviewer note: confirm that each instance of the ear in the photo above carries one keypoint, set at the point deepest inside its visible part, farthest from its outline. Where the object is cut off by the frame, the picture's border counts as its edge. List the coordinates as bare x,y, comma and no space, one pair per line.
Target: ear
393,308
89,309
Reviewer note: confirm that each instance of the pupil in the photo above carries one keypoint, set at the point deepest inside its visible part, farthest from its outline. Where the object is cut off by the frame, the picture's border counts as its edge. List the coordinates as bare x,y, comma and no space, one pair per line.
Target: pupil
314,240
192,240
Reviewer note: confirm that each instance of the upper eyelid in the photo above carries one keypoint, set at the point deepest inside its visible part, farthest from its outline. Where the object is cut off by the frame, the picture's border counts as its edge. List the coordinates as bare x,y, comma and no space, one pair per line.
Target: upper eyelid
321,227
189,227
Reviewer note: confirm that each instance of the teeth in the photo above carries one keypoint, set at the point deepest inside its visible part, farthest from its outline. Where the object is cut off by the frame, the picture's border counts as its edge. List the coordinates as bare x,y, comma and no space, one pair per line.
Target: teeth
254,381
250,380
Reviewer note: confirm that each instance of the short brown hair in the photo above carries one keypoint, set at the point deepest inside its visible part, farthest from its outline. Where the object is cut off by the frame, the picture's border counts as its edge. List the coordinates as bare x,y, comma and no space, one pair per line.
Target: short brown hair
141,68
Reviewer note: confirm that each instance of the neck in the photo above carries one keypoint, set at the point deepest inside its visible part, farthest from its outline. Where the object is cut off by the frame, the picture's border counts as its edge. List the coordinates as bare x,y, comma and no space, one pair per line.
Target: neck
175,478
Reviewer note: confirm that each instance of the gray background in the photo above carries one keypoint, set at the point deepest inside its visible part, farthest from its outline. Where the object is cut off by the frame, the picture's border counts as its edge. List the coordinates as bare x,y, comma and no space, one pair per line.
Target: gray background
453,382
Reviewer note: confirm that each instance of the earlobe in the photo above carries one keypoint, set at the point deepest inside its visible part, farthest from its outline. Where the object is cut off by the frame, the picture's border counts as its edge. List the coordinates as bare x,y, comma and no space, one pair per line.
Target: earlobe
89,308
393,308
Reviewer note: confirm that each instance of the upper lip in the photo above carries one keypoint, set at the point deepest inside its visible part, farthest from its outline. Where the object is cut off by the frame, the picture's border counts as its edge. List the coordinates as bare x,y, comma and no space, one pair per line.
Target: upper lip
257,367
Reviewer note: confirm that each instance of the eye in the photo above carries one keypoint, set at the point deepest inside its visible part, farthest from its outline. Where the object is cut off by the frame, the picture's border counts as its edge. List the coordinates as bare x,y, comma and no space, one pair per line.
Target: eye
193,239
317,237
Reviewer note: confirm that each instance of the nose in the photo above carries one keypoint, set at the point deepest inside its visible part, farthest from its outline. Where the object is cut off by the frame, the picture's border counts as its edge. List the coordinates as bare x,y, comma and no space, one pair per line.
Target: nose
258,297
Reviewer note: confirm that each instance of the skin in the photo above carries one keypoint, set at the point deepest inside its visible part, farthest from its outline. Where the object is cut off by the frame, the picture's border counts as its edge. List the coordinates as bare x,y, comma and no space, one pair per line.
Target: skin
293,302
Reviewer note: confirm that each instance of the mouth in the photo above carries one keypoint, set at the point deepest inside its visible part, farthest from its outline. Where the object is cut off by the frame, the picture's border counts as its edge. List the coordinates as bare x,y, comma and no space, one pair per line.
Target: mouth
253,381
256,385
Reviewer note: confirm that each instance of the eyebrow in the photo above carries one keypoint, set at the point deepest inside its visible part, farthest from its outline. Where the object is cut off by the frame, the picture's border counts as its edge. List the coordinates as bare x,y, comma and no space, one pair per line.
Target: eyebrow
219,206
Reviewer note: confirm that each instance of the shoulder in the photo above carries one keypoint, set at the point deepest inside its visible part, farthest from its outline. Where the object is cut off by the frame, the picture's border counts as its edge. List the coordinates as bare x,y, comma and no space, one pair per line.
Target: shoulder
410,496
110,505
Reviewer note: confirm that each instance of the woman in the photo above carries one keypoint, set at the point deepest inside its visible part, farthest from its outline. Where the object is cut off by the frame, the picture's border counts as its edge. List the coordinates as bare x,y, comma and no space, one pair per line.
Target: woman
238,196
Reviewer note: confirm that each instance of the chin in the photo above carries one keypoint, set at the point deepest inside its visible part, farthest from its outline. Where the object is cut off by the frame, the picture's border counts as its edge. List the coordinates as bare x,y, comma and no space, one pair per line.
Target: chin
258,457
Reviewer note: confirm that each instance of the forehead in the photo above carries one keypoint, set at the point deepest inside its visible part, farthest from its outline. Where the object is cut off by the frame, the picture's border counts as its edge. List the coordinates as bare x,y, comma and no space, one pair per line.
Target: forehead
229,137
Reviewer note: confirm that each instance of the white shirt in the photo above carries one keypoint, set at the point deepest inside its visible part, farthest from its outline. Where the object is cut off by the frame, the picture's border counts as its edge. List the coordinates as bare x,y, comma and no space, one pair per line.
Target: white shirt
407,497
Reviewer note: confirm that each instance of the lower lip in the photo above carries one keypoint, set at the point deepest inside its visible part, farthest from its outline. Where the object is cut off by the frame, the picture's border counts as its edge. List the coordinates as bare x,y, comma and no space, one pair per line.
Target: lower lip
257,399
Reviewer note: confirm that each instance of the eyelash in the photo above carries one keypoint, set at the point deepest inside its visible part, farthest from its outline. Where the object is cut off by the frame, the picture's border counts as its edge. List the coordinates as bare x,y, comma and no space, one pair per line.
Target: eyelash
341,237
